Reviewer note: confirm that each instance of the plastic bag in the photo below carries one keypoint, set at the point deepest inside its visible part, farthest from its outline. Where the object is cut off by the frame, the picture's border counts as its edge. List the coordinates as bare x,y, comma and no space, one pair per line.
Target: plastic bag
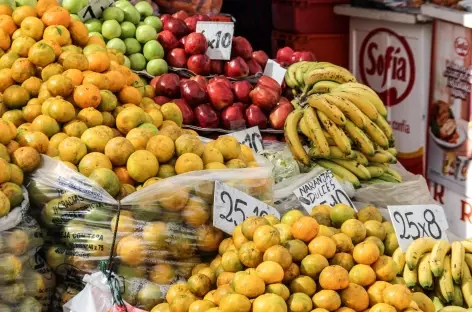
163,229
14,217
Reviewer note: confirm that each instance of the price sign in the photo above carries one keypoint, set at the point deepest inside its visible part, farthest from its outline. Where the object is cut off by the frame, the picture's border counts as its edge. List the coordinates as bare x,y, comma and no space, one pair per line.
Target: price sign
251,137
275,71
94,9
414,221
231,207
220,38
324,189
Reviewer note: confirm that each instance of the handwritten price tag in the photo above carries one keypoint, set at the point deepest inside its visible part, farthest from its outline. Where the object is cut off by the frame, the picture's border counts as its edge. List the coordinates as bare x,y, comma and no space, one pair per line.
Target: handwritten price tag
231,207
94,9
275,71
414,221
251,137
220,38
324,189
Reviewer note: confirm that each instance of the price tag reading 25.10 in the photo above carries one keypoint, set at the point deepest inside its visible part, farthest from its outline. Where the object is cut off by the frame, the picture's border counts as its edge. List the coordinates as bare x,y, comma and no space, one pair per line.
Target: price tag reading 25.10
250,137
414,221
231,207
220,38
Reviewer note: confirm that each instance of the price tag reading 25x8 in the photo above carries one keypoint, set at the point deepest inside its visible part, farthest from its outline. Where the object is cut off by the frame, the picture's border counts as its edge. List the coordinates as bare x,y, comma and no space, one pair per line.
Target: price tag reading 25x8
220,38
414,221
231,207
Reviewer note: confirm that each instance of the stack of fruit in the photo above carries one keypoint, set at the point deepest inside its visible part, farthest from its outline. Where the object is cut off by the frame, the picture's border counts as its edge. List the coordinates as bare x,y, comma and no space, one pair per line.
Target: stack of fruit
132,30
333,260
440,267
344,122
286,56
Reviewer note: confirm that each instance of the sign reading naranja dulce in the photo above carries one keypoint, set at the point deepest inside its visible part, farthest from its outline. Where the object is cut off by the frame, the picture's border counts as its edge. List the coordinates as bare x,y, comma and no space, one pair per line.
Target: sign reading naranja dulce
393,59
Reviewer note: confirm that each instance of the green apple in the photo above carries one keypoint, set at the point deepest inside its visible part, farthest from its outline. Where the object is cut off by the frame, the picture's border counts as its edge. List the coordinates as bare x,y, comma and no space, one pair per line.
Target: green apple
144,8
128,30
132,46
93,25
127,62
94,33
132,15
154,21
122,4
153,50
73,6
113,13
145,33
117,43
11,3
138,61
157,67
111,29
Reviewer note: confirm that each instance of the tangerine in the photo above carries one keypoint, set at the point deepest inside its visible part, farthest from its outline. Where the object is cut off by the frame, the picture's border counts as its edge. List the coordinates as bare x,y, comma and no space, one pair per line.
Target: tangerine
87,95
305,228
5,40
57,33
32,27
23,12
78,32
7,24
56,15
99,62
41,54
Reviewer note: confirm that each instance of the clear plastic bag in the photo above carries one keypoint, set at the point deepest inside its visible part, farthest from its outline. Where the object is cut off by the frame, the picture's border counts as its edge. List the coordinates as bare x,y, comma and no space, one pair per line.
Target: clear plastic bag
16,214
163,229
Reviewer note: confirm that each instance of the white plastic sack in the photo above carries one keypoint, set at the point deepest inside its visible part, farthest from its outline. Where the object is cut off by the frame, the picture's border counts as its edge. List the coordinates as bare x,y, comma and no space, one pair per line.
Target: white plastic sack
14,217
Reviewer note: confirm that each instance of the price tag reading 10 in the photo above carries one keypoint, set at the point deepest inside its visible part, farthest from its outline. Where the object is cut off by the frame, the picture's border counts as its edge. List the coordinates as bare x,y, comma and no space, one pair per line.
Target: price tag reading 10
220,38
414,221
231,207
250,137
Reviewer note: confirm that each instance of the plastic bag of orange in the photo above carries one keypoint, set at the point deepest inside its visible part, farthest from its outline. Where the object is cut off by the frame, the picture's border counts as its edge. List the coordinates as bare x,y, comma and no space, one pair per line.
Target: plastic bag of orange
209,7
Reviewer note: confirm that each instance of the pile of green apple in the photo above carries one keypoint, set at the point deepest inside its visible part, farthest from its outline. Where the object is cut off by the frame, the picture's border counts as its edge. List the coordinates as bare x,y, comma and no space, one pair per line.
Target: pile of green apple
133,31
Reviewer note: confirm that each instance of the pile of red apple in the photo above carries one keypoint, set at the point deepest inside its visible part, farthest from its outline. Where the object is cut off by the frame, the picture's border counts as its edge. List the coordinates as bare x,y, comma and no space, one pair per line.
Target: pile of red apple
220,103
287,56
186,48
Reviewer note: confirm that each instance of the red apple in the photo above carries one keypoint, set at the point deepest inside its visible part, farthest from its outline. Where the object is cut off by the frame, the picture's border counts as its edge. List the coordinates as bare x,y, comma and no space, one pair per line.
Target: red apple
206,117
217,67
302,56
201,80
241,106
196,43
180,15
236,68
264,97
241,47
168,40
254,67
256,117
269,138
260,57
160,99
192,92
279,114
191,23
232,118
176,26
153,81
165,17
220,95
177,58
284,100
199,64
187,113
221,78
270,83
182,42
203,18
284,55
241,91
168,85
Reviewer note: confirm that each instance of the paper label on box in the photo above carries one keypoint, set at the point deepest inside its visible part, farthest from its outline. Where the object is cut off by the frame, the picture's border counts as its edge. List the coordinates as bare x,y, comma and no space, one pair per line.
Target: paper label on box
275,71
220,38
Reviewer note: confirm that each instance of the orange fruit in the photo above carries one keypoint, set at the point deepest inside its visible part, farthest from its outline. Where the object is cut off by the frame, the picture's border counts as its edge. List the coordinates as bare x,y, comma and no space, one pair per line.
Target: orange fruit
33,27
99,80
74,60
96,40
75,75
56,16
78,32
23,12
5,40
22,69
22,45
57,33
305,228
7,24
54,45
87,95
43,5
41,54
98,61
116,79
6,79
130,94
5,9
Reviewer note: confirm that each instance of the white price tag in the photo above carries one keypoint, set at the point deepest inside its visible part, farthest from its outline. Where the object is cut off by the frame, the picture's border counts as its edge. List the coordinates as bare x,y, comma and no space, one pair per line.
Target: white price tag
324,189
231,207
94,9
251,137
275,71
414,221
220,38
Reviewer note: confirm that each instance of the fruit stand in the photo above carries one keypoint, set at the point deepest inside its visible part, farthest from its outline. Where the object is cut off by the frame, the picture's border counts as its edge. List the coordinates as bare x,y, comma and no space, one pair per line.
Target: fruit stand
156,162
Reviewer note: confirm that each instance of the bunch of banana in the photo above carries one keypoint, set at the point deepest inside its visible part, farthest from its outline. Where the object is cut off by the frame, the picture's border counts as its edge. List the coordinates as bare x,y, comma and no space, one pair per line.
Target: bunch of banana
440,267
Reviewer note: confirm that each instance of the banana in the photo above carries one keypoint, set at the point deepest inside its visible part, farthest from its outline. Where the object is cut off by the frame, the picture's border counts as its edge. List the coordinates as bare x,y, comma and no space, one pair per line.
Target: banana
380,157
316,132
331,73
457,300
360,158
329,138
336,133
340,171
393,151
368,93
457,259
446,285
466,286
300,72
439,252
374,132
304,129
336,153
323,86
330,110
416,249
468,260
438,305
467,245
453,309
290,75
383,124
410,276
314,152
350,110
363,104
359,170
388,178
319,65
361,140
292,138
399,258
394,174
375,171
425,277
